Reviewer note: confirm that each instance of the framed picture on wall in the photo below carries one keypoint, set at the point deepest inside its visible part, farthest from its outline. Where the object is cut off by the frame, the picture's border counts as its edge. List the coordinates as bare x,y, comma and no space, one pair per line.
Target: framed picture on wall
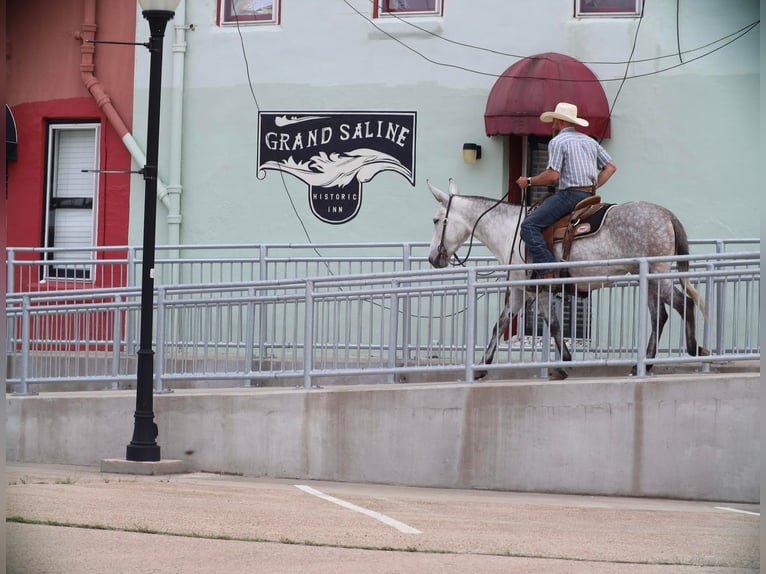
233,12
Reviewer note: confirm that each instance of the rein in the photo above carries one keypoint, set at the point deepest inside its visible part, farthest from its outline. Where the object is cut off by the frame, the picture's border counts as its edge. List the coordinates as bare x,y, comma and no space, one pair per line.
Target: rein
441,250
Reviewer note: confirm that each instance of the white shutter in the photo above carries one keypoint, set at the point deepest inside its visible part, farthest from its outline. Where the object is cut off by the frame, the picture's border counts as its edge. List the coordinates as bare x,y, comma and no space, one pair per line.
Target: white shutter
76,151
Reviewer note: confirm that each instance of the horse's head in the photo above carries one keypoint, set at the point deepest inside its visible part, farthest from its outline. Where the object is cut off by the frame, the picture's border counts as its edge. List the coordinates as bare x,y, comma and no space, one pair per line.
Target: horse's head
450,231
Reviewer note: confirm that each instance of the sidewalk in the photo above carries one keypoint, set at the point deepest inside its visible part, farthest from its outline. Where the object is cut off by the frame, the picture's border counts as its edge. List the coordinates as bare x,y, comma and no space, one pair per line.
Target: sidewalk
65,519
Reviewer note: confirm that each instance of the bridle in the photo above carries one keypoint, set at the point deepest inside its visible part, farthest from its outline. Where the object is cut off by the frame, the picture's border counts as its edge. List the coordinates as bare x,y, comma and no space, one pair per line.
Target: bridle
442,251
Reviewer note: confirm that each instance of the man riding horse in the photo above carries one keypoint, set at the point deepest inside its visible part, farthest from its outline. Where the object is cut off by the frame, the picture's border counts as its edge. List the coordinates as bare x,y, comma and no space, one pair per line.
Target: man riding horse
577,164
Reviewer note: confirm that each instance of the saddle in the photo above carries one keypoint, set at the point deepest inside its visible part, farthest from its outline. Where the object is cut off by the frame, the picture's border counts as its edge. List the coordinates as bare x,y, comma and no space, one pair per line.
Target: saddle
585,220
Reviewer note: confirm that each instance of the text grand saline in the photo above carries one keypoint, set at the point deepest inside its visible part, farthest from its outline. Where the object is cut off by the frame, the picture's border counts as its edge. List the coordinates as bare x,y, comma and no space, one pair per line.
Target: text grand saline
380,129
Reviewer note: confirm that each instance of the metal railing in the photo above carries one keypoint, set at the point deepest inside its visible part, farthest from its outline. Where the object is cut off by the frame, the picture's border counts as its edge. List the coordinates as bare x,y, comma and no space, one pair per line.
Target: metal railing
384,326
33,269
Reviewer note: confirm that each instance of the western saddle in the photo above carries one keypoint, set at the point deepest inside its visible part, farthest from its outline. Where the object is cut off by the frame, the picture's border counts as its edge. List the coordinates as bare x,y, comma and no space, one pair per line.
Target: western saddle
585,219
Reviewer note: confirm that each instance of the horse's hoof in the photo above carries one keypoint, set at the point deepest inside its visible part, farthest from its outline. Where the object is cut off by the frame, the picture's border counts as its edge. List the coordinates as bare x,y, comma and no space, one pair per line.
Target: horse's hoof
634,370
557,375
703,352
479,375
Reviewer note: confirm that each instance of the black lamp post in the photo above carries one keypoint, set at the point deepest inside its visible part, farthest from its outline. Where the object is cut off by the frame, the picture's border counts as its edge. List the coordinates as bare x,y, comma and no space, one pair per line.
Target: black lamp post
143,447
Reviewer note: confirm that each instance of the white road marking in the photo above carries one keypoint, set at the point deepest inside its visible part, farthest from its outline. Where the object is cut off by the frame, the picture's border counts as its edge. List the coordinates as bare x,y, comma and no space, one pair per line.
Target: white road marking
737,510
400,526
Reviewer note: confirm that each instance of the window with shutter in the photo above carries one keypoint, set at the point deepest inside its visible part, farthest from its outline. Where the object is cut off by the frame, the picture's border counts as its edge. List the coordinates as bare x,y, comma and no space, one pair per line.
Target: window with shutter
407,8
611,8
537,154
72,181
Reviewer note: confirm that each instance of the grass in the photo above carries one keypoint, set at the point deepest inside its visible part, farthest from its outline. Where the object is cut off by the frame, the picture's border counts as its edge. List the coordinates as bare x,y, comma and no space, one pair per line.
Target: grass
66,480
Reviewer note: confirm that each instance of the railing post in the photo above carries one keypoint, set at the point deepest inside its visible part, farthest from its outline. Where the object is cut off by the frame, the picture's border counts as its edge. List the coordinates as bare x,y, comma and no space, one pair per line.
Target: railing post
643,305
406,328
11,266
469,327
116,341
249,335
308,335
131,267
393,326
263,274
159,357
11,270
707,334
130,320
25,344
720,294
545,339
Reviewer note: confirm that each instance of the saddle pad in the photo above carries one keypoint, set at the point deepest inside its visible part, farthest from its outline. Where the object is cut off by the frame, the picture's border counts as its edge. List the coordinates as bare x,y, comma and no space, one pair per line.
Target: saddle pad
586,224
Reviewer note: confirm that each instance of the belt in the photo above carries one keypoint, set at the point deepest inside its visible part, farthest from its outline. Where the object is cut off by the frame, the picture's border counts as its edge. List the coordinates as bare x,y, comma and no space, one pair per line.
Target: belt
588,188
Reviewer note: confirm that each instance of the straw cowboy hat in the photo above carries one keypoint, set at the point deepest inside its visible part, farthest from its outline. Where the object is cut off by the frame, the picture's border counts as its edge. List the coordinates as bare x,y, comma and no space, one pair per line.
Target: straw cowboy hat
566,112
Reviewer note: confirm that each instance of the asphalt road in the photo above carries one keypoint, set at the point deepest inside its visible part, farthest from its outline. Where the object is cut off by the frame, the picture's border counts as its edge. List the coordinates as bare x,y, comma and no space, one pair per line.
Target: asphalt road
67,519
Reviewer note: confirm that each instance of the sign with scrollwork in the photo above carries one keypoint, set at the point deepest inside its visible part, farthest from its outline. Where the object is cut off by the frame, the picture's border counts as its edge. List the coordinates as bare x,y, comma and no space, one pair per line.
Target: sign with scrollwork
334,153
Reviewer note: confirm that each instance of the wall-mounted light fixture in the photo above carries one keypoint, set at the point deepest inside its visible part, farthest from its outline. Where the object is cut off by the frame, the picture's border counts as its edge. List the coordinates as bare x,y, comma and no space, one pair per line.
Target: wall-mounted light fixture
471,152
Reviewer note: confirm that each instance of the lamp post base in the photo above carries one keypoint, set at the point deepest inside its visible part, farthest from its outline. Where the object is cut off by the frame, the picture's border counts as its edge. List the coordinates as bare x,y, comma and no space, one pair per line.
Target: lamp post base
143,453
150,468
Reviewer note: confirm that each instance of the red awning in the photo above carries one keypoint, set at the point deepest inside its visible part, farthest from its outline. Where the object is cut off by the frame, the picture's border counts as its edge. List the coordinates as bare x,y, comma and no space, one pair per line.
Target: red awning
535,85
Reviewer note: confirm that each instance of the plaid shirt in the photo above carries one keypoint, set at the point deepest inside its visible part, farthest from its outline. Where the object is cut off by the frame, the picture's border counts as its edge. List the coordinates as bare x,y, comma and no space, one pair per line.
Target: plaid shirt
577,158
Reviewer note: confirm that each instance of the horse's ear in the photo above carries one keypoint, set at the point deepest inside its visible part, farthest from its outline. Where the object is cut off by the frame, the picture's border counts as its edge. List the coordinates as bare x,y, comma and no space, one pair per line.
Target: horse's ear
440,196
452,187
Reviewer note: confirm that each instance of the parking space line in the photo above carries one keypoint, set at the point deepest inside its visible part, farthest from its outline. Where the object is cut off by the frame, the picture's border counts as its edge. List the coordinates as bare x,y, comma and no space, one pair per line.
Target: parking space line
737,510
400,526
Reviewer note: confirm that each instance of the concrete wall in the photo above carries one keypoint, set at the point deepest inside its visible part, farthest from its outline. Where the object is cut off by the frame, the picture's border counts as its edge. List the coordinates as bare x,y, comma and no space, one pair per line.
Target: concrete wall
678,436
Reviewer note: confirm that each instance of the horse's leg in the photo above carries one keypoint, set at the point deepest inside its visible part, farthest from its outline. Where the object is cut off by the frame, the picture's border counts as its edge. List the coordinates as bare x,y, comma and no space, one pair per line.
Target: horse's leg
684,306
512,306
500,326
658,316
545,303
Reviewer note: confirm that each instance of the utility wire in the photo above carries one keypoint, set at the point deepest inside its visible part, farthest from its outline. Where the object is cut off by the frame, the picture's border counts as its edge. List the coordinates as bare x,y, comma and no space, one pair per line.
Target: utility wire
258,107
737,35
678,32
627,67
412,24
244,56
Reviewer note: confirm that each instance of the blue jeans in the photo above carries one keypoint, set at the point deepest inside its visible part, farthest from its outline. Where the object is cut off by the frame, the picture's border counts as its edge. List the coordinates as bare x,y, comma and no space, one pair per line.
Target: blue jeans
551,210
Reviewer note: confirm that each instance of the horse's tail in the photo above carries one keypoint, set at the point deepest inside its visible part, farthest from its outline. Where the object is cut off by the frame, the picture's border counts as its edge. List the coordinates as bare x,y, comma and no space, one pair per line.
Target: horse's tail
682,248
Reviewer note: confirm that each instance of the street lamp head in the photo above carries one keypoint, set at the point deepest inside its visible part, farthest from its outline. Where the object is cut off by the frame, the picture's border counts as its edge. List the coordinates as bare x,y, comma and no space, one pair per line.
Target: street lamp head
164,5
158,13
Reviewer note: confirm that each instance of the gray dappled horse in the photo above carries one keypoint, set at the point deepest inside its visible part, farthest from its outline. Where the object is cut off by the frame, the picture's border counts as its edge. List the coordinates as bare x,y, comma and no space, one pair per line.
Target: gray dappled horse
634,229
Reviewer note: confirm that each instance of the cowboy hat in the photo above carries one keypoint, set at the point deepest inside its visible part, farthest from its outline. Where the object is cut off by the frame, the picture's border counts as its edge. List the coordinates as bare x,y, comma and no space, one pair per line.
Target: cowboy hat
566,112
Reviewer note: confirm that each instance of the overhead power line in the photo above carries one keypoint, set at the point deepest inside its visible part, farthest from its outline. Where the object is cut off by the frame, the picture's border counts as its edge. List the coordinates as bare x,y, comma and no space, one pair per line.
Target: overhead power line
730,37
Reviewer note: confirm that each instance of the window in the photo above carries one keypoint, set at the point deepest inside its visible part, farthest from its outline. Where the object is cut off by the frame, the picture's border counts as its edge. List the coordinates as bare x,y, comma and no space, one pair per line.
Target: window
70,195
608,7
233,12
407,7
576,310
537,161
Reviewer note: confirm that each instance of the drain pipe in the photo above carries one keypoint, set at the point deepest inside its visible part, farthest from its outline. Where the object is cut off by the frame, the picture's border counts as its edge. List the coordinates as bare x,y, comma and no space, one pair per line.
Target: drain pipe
174,187
87,52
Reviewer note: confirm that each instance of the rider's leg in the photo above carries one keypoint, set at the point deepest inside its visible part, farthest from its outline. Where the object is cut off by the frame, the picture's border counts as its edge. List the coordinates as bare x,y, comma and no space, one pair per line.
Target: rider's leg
555,207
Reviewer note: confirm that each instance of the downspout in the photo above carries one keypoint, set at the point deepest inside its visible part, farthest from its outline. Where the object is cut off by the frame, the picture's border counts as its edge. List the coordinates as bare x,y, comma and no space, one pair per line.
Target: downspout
104,102
176,129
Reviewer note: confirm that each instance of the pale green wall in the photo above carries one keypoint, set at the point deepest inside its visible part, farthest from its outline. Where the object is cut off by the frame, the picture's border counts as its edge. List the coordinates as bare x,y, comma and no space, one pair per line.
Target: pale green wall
686,138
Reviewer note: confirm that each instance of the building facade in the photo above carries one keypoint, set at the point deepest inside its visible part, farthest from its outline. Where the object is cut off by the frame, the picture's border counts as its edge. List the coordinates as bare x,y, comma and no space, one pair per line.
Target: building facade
305,121
71,106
